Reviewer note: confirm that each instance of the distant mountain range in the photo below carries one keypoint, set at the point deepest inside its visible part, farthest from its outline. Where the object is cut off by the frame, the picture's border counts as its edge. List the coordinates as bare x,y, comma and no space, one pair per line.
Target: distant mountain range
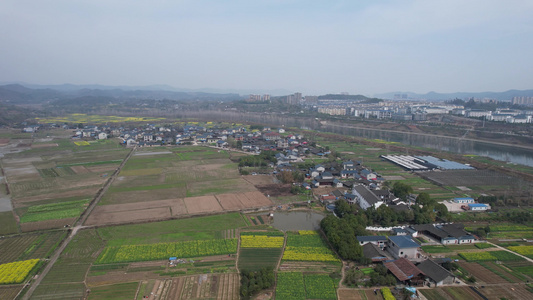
20,94
74,87
507,95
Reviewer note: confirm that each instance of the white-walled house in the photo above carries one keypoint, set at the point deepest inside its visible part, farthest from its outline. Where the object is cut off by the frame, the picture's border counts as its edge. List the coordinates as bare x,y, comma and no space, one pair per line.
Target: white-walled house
365,198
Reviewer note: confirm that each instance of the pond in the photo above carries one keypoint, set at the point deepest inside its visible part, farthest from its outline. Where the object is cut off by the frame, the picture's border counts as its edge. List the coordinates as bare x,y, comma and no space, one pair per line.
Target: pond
297,220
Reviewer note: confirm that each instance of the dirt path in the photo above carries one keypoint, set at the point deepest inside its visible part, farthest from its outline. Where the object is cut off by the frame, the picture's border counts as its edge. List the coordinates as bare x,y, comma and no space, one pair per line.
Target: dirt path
74,231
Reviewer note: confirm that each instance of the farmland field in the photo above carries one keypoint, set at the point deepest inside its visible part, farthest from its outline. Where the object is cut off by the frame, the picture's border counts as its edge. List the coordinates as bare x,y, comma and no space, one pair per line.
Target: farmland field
319,286
255,259
10,291
131,253
198,228
290,286
62,210
68,291
261,241
29,246
7,223
16,272
524,250
481,273
490,256
122,291
177,172
94,119
308,247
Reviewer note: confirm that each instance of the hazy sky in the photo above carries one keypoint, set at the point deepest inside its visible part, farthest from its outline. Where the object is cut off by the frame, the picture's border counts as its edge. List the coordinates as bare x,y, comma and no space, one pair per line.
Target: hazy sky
314,47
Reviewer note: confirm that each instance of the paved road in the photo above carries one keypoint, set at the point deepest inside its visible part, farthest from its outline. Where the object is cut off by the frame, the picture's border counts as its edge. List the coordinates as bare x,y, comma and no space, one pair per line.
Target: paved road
76,228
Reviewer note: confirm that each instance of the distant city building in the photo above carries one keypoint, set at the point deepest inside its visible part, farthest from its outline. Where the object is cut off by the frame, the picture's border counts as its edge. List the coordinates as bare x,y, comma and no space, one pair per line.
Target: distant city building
311,99
334,111
523,100
294,99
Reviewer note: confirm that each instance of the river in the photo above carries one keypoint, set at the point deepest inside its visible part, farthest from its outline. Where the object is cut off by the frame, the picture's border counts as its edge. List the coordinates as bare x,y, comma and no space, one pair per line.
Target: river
517,155
506,153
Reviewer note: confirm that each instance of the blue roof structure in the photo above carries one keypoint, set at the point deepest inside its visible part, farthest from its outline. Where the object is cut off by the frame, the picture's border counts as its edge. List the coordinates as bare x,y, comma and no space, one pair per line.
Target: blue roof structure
477,205
444,163
403,241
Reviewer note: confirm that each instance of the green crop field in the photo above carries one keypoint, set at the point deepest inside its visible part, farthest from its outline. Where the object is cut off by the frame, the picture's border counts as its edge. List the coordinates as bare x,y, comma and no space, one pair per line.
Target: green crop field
184,172
171,231
7,223
255,259
320,286
308,247
29,246
53,211
290,286
490,256
186,249
436,249
122,291
433,294
65,279
72,291
63,272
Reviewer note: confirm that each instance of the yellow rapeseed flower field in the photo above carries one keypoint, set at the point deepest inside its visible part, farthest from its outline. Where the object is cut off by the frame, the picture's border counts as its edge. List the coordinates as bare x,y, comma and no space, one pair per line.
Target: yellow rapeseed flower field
16,272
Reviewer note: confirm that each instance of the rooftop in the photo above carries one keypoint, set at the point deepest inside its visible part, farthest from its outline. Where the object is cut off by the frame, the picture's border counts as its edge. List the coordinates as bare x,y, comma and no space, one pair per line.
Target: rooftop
433,270
371,238
403,269
403,241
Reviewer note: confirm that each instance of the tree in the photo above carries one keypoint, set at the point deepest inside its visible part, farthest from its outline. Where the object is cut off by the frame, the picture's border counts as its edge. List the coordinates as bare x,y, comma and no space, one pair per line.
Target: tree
424,199
402,190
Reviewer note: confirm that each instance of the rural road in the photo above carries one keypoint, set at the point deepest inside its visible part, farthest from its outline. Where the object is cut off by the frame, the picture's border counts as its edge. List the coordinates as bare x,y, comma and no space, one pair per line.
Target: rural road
74,230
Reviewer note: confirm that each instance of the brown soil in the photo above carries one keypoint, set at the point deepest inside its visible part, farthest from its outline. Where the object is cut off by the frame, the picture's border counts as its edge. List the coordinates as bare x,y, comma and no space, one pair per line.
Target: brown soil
144,196
83,192
49,224
506,291
128,216
202,204
4,142
257,199
371,296
481,273
119,277
230,202
259,179
129,212
275,190
80,169
349,294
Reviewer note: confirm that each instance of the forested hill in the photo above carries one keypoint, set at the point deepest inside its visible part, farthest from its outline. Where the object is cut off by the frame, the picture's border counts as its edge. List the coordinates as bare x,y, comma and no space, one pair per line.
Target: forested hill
19,94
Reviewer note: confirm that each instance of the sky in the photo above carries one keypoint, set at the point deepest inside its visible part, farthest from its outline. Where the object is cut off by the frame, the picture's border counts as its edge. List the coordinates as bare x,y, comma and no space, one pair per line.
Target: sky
314,47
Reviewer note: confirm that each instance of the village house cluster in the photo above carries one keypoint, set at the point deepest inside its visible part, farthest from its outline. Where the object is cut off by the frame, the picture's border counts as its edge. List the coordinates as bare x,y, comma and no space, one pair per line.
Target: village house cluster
403,257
